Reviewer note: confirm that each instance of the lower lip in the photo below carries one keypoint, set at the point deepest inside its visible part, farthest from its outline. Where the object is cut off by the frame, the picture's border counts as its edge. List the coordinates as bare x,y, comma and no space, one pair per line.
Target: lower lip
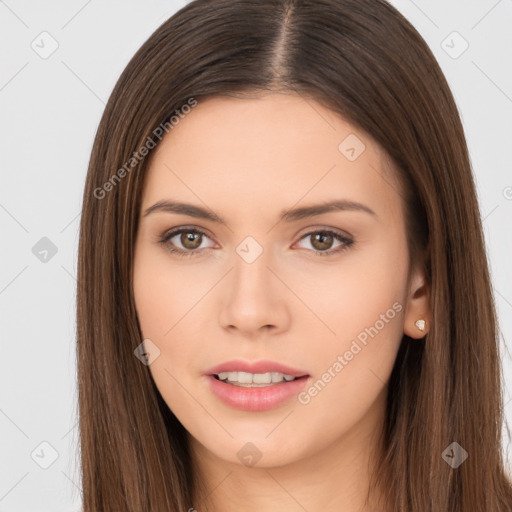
257,398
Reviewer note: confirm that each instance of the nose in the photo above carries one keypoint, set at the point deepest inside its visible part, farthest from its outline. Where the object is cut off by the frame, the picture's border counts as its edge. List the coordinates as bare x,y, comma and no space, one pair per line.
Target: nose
254,300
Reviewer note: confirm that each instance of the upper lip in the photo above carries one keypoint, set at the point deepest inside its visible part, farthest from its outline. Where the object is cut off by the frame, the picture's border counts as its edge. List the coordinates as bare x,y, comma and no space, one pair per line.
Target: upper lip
255,367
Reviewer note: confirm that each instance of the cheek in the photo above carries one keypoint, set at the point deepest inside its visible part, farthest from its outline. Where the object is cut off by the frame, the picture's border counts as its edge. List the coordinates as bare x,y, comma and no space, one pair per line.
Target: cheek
361,307
162,294
163,302
347,297
165,310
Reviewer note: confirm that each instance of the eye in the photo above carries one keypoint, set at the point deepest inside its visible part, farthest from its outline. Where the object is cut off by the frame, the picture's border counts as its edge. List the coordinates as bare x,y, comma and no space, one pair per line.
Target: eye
322,240
190,240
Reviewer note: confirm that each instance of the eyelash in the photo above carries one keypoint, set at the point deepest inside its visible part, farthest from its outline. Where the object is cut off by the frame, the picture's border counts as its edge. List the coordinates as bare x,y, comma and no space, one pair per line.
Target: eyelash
164,240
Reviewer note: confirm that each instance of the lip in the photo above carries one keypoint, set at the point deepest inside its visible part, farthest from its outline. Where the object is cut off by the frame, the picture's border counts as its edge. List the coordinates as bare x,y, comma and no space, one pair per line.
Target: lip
263,366
259,398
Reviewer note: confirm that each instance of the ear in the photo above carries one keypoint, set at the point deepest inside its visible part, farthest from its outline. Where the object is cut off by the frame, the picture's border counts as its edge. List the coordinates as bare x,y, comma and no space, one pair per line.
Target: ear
417,306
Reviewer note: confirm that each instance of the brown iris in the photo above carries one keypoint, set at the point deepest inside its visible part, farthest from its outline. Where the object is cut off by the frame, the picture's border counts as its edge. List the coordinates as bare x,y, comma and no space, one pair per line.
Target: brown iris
190,240
321,241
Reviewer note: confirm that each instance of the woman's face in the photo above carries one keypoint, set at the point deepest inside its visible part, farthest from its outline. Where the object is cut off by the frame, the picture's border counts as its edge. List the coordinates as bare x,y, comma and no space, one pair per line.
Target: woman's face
323,293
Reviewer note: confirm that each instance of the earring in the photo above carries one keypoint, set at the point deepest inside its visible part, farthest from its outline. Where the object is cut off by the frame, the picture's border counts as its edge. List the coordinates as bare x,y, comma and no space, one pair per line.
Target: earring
420,324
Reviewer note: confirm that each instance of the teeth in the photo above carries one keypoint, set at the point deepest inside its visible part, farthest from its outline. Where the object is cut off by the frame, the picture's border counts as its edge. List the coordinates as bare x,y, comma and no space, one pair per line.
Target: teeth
244,378
254,379
277,377
260,378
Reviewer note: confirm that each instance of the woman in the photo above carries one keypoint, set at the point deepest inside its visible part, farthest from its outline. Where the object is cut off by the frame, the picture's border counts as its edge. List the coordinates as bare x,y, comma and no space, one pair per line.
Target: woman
284,297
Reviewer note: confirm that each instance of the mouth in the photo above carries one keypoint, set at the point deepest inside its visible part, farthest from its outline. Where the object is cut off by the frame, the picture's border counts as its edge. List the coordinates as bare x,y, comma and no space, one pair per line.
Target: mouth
255,396
255,386
256,380
255,373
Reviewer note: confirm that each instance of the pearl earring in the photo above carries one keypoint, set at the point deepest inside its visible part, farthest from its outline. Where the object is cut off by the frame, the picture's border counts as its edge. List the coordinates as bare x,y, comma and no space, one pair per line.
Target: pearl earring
420,324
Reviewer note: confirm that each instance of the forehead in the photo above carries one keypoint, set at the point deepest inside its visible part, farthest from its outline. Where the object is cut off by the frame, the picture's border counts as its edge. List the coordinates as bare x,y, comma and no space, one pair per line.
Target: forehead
260,155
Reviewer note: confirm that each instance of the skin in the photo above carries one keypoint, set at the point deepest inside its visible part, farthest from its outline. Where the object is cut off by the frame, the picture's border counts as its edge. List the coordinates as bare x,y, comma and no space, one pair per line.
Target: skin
247,160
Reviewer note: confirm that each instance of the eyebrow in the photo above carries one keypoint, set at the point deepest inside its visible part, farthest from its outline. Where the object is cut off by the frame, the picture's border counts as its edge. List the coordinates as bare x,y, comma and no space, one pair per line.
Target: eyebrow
289,215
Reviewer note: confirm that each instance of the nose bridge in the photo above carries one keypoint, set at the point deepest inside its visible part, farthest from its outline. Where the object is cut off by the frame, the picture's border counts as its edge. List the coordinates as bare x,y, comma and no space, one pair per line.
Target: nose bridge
252,300
251,277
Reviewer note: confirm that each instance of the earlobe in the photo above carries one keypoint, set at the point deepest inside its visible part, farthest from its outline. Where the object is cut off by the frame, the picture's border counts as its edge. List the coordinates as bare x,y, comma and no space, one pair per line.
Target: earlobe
416,321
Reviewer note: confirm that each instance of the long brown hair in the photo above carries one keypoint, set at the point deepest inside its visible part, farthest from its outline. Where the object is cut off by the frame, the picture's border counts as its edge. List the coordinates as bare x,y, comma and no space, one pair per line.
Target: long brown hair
365,61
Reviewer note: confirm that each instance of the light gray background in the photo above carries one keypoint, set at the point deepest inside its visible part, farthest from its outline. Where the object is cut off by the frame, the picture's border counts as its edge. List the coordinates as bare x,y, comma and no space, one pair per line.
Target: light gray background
50,109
